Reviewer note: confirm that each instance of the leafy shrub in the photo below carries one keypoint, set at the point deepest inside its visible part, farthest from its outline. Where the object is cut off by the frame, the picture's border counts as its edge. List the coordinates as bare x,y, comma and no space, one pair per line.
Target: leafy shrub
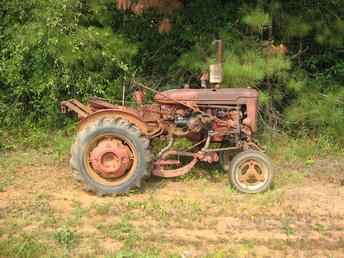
318,114
55,50
52,52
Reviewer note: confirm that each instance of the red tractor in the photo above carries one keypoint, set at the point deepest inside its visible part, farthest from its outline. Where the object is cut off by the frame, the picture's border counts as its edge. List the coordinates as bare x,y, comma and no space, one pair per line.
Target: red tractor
111,153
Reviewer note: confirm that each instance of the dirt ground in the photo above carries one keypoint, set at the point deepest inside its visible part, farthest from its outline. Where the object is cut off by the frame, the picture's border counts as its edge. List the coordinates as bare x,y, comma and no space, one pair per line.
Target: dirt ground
44,212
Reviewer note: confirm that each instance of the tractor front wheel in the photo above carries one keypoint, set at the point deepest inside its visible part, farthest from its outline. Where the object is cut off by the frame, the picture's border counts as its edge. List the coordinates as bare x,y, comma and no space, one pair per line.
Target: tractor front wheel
251,172
110,156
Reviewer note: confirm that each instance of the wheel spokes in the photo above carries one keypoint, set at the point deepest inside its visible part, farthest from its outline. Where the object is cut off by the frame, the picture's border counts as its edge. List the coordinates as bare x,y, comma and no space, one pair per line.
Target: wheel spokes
251,172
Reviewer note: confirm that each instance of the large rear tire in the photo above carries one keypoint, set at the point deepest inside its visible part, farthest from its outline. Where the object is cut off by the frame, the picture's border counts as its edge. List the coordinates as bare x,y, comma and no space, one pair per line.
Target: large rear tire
110,156
251,172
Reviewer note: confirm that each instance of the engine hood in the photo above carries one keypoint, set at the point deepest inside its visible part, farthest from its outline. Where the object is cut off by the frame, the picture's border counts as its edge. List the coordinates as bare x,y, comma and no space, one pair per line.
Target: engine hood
207,96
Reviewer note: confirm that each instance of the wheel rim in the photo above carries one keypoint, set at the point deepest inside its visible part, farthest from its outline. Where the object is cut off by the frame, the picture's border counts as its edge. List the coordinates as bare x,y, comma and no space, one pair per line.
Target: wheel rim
110,160
252,174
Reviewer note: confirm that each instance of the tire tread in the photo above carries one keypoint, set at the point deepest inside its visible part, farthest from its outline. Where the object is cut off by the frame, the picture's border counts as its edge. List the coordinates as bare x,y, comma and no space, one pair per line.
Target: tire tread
116,122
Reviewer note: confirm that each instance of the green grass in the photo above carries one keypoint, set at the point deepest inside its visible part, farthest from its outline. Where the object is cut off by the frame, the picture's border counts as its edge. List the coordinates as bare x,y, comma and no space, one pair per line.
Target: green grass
55,143
267,199
78,213
292,177
22,246
286,227
144,254
65,237
5,182
321,228
102,208
124,231
286,148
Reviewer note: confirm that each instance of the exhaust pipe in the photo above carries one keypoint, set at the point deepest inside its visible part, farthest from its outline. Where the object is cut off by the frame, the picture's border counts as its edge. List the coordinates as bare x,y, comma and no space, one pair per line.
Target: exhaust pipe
216,70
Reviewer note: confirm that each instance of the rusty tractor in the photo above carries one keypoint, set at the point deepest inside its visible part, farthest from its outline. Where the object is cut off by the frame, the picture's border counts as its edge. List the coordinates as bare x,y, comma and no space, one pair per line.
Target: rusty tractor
111,153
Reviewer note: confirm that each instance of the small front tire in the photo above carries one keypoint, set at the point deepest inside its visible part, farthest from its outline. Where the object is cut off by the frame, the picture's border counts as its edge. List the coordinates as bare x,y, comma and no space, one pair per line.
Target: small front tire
251,172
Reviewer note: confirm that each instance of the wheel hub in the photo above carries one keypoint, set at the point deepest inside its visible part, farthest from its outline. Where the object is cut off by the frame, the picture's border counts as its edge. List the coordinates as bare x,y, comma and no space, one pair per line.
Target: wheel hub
111,158
251,173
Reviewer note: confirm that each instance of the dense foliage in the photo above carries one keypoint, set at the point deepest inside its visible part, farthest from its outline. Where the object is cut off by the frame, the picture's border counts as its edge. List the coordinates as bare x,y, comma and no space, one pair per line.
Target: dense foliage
54,50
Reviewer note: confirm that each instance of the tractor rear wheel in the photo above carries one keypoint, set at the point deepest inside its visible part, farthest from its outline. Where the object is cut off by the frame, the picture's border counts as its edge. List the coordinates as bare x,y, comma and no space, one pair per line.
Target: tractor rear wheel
110,156
251,172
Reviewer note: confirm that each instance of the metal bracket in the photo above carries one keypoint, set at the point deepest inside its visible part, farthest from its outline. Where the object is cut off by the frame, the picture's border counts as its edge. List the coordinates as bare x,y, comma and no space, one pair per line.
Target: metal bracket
76,106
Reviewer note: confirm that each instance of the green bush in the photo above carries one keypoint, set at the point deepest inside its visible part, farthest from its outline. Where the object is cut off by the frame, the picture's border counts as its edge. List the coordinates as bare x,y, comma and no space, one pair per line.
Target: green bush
317,114
55,50
50,51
